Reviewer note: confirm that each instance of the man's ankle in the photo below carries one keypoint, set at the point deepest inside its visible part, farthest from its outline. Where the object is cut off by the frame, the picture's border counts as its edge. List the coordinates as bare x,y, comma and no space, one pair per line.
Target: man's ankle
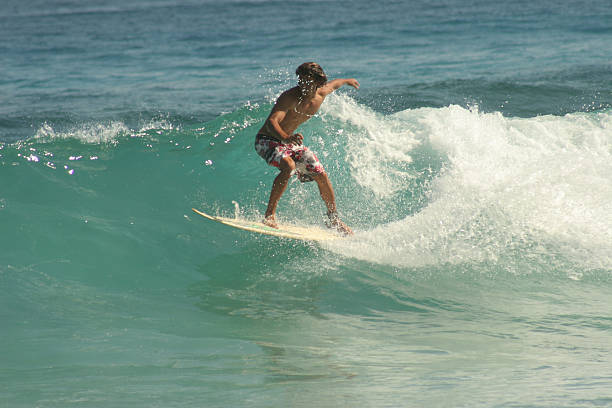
333,217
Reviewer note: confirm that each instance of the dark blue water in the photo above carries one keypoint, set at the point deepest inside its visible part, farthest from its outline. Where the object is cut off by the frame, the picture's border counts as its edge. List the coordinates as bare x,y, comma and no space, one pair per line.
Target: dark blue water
474,165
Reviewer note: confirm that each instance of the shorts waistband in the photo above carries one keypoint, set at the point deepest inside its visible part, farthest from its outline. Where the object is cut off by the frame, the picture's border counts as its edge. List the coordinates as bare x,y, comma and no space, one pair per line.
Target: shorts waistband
261,136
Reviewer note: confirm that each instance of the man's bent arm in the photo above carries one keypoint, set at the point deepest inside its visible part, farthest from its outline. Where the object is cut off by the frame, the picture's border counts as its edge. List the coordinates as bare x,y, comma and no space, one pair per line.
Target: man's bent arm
275,119
279,111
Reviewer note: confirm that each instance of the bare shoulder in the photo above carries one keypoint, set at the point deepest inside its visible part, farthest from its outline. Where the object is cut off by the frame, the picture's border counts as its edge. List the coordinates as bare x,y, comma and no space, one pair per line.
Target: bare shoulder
292,93
287,99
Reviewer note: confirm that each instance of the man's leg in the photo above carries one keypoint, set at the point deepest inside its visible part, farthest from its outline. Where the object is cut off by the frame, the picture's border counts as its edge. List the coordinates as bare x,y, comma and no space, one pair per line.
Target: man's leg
327,194
326,190
286,166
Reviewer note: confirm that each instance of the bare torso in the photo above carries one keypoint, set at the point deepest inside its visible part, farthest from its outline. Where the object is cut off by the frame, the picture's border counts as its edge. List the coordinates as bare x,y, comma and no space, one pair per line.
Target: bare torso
298,109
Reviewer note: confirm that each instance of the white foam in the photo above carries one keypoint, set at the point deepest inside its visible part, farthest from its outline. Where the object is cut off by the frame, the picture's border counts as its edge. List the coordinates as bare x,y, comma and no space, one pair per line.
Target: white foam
525,187
100,133
86,133
380,146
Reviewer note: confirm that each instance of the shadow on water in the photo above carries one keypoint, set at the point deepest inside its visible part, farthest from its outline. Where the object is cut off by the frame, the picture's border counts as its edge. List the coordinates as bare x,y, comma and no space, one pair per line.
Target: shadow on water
279,280
261,282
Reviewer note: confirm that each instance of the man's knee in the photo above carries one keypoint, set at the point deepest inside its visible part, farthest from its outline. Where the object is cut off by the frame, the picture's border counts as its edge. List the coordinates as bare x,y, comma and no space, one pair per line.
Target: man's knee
286,164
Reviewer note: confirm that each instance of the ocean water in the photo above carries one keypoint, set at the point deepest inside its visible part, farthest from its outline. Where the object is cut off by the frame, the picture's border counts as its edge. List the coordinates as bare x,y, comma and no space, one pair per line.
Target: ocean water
474,164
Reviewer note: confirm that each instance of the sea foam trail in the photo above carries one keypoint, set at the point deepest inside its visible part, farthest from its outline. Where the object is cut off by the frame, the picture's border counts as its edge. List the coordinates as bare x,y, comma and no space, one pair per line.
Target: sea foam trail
509,188
97,133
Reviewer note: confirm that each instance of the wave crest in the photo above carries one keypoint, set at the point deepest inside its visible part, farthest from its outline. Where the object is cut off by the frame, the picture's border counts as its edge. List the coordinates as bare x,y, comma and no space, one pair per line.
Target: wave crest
509,187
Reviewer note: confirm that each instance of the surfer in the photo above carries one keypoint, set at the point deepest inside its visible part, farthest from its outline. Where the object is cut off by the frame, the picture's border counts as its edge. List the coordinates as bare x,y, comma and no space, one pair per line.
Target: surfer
280,147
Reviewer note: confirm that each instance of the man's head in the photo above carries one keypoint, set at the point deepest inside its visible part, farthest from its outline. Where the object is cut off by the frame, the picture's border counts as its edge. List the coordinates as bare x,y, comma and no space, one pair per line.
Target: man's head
311,71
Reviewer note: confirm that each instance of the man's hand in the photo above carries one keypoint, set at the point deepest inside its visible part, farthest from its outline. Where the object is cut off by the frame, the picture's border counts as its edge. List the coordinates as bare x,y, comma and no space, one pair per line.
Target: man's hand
353,82
297,139
337,83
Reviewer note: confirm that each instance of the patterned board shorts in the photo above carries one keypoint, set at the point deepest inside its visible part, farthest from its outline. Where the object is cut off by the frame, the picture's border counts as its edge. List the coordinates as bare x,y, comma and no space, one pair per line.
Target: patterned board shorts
273,151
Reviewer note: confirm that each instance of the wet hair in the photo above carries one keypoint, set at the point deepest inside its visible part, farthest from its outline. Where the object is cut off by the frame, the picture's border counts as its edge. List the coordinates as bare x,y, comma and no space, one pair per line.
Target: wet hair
312,69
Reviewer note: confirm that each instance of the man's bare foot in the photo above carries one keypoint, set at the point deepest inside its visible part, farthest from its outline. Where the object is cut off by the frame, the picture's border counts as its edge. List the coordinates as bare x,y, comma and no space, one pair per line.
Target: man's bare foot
270,222
338,225
342,228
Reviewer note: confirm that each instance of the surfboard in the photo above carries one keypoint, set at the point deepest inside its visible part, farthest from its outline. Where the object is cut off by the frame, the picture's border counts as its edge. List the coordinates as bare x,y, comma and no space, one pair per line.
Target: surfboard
284,230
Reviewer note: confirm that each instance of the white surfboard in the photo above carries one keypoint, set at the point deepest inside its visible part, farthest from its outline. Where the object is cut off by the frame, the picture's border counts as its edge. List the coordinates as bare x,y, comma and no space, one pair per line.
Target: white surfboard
283,231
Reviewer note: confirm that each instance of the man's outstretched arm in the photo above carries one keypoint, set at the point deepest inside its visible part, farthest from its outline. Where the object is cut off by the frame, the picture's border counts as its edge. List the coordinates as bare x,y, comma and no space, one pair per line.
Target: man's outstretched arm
337,83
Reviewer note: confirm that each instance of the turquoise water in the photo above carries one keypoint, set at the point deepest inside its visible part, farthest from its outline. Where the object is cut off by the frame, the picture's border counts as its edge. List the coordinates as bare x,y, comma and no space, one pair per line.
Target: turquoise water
474,165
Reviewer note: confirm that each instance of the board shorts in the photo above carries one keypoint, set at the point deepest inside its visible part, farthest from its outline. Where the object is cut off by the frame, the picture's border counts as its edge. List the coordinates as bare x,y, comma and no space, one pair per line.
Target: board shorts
273,151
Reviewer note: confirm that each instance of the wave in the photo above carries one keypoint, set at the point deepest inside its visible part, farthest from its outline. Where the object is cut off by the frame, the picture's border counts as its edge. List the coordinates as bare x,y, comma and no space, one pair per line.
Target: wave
421,187
510,191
